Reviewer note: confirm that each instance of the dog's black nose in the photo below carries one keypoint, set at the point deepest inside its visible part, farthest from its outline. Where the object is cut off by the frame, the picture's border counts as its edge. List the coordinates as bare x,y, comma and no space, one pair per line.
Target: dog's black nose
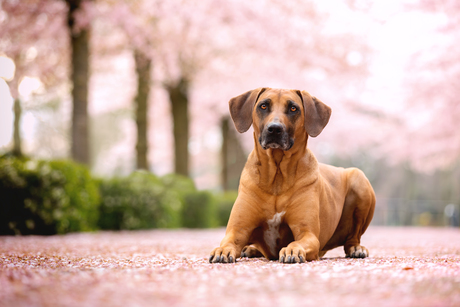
275,128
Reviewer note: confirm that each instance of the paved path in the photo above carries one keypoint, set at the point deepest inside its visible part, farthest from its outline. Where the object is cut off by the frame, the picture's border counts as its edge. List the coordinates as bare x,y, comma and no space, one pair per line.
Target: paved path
407,267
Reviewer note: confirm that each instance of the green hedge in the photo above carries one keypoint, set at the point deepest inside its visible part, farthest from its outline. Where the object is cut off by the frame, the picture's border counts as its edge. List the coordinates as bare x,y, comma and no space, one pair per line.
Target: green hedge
199,210
46,197
49,197
143,201
224,203
203,209
140,201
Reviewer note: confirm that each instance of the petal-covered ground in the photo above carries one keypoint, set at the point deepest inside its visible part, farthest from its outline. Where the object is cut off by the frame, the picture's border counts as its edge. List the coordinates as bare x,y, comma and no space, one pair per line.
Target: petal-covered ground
407,267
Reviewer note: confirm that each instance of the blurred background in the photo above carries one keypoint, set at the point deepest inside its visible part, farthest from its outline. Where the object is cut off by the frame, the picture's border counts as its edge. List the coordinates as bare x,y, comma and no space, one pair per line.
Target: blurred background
122,86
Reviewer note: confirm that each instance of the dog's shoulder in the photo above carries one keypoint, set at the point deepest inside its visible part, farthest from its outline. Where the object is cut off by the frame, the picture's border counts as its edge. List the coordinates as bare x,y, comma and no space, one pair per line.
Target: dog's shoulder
333,175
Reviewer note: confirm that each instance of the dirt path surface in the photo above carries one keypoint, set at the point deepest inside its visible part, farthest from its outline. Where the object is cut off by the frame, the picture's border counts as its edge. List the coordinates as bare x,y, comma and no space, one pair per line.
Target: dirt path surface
407,267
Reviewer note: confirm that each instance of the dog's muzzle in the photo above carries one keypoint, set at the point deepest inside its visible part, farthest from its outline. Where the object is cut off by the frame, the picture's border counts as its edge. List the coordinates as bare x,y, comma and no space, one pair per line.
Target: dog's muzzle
275,135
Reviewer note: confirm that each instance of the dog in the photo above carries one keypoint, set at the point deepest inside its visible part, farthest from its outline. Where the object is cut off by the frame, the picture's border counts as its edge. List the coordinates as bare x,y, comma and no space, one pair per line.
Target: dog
290,207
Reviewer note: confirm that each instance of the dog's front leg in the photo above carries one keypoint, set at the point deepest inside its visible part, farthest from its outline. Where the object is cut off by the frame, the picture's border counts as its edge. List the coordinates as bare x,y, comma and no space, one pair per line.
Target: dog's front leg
241,224
306,245
230,247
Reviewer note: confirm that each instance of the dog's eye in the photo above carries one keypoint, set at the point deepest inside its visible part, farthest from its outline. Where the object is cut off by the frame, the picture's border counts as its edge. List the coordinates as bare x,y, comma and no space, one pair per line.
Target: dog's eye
263,106
293,109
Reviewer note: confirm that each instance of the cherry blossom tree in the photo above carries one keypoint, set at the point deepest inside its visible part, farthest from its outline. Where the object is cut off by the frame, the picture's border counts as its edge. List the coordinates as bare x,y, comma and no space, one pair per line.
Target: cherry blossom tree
434,90
39,35
137,20
31,34
218,46
202,54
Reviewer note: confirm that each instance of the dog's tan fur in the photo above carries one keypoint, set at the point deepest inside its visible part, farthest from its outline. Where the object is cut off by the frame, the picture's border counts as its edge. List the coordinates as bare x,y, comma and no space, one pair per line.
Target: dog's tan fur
289,206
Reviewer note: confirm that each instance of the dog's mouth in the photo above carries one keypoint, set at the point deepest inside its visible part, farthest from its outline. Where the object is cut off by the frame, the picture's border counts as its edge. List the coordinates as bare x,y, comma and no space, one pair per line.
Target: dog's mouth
284,143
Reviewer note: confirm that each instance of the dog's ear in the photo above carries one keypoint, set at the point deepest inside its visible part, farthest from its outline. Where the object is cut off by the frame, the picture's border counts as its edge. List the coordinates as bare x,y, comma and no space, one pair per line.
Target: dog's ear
241,108
317,114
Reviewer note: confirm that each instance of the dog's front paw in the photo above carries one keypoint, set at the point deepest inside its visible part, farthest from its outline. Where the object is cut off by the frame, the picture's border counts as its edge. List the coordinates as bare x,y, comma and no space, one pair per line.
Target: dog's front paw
223,255
357,252
294,253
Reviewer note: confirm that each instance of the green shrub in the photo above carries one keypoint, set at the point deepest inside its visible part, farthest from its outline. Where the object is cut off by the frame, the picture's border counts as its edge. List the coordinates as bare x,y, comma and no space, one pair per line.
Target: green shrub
204,210
198,207
200,210
179,183
46,197
143,200
140,201
225,203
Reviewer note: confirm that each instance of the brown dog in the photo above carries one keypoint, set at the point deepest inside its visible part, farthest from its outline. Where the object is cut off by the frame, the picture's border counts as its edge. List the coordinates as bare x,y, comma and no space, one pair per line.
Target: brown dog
289,206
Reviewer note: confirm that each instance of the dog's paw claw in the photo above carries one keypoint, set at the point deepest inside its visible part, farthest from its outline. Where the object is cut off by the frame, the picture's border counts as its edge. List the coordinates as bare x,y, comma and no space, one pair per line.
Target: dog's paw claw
222,255
296,254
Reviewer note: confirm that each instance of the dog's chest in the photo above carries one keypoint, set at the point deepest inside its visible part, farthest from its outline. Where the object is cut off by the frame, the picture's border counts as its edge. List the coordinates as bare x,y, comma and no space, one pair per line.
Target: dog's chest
272,232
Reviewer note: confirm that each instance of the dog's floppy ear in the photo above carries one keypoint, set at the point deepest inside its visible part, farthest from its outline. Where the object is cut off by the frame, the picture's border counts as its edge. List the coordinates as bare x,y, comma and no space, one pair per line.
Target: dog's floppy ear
241,108
317,114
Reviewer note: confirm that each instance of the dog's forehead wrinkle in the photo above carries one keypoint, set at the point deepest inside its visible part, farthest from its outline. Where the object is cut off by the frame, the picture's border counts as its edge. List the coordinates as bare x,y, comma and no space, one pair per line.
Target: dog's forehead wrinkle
266,100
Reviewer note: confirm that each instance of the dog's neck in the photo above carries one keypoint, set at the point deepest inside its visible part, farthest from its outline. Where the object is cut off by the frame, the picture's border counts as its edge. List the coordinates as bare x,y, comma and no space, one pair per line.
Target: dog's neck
276,168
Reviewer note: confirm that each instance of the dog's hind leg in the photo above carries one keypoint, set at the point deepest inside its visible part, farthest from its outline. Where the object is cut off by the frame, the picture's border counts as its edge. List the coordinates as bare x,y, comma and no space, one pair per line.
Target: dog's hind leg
361,199
251,251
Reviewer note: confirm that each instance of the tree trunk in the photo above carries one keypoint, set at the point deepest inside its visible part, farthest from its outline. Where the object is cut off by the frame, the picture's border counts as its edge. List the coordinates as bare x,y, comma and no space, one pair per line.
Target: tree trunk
17,151
233,157
79,78
178,95
143,64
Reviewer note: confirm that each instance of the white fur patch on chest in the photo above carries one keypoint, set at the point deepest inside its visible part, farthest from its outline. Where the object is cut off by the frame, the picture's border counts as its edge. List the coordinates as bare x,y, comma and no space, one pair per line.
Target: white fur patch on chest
272,233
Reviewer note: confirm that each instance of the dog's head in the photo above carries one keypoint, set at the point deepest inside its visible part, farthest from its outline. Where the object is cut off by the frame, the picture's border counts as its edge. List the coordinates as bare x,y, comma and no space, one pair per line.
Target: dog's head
279,116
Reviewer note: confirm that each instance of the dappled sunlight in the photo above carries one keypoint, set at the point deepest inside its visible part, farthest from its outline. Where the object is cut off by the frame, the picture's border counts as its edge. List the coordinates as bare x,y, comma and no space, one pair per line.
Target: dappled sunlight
7,69
29,86
6,114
